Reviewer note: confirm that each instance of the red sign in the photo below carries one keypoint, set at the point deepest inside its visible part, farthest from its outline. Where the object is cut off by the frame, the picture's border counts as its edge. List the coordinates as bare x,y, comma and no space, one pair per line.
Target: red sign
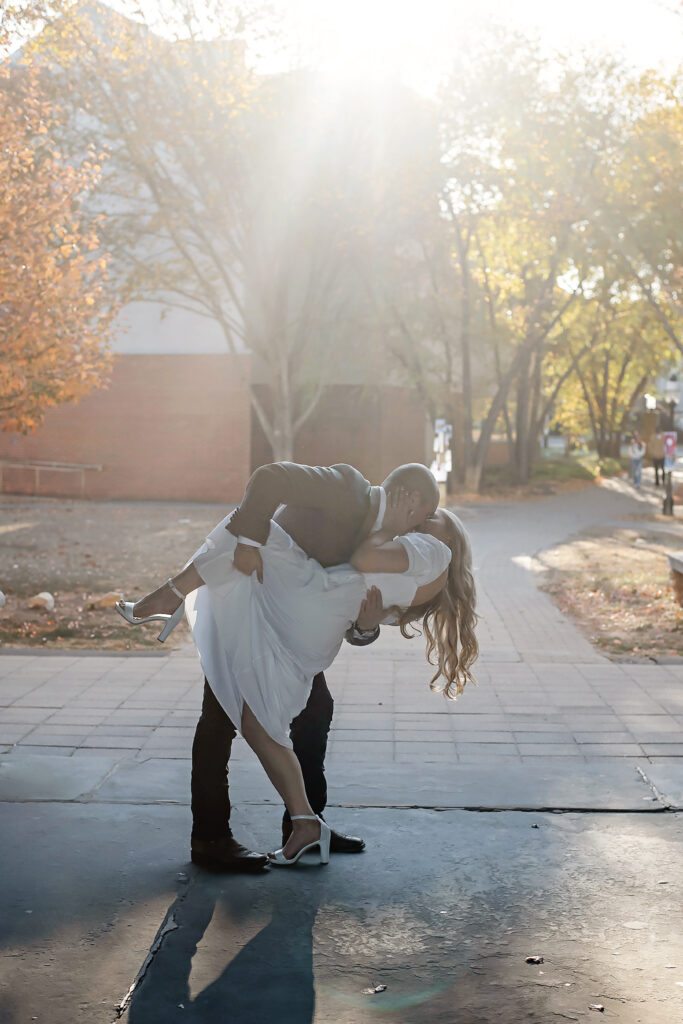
669,439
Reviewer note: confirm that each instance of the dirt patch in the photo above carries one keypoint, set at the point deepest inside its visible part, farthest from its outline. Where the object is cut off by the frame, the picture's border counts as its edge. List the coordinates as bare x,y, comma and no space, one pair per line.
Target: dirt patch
616,584
76,550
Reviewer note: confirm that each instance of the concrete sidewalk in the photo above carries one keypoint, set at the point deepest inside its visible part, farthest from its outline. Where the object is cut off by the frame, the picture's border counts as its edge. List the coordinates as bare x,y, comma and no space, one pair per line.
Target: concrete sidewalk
445,904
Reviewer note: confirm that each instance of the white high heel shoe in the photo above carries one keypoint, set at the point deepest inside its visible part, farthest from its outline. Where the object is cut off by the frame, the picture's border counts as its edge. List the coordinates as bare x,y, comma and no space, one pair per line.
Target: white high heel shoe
125,609
323,844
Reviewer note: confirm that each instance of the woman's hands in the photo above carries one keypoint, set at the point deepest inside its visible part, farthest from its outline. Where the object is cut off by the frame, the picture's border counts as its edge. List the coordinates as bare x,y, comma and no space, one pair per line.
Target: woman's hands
371,611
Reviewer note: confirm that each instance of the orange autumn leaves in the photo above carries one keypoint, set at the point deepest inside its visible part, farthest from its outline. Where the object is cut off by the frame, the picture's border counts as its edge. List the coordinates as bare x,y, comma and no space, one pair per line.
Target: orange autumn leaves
55,312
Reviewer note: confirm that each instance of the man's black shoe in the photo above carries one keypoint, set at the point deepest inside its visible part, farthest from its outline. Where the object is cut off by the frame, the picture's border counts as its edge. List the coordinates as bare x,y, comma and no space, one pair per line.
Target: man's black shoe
227,854
339,843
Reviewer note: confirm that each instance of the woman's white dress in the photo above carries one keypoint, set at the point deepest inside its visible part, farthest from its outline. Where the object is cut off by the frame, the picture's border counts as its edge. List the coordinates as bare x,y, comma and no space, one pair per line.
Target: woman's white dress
263,643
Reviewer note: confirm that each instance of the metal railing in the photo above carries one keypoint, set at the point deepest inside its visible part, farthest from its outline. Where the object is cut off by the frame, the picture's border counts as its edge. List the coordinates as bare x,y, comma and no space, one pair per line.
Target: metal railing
40,464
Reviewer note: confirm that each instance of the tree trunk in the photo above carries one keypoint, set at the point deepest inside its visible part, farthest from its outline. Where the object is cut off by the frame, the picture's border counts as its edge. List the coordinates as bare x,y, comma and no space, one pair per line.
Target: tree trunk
521,453
473,475
534,426
466,361
283,446
283,415
614,446
497,402
458,445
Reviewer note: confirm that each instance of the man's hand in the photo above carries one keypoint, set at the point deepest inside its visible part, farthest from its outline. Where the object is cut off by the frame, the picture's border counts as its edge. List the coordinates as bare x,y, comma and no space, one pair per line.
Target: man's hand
371,611
247,559
399,517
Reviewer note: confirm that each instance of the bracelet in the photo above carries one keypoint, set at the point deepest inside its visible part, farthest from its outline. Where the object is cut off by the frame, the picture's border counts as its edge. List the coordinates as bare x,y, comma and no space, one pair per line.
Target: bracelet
363,632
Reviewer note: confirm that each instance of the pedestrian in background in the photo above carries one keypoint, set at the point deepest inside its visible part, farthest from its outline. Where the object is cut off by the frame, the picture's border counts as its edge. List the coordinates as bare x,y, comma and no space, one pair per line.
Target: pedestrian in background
655,452
637,452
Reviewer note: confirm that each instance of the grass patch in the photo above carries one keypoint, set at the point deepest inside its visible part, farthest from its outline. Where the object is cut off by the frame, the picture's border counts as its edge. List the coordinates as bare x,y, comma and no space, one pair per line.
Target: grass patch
550,470
599,465
559,469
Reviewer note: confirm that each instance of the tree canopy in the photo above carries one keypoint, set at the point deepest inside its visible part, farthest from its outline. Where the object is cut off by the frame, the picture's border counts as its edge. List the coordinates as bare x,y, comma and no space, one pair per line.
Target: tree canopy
55,309
512,247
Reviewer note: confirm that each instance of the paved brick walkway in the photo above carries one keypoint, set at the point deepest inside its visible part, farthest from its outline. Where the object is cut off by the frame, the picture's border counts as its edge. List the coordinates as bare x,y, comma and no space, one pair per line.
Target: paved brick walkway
544,692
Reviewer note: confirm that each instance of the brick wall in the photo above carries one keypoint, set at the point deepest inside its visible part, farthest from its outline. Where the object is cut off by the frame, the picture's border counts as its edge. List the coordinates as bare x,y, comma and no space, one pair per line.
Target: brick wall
168,427
374,429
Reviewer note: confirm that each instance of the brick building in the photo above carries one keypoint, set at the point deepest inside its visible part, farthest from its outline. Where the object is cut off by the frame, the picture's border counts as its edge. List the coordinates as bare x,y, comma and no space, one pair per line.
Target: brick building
175,423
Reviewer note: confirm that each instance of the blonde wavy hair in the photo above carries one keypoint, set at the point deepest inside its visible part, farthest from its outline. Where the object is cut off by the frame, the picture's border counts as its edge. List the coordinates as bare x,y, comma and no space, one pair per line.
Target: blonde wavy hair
448,620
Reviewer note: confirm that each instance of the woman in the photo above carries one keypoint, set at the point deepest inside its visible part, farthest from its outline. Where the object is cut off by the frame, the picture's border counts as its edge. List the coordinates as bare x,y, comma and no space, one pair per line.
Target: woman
636,451
260,644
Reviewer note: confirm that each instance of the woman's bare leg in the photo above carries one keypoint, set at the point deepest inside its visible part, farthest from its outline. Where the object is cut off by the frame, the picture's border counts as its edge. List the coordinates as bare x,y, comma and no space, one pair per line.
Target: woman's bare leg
284,771
163,599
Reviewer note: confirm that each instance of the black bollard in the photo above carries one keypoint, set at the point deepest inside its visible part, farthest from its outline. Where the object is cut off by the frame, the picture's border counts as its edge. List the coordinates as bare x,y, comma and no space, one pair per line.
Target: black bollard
668,503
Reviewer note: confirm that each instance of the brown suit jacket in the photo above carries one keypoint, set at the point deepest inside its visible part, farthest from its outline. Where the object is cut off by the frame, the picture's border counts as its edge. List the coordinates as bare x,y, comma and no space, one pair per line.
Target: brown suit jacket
328,510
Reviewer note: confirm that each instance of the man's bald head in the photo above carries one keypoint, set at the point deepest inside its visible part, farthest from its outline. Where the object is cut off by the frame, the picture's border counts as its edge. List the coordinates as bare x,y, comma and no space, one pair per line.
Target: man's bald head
423,490
413,477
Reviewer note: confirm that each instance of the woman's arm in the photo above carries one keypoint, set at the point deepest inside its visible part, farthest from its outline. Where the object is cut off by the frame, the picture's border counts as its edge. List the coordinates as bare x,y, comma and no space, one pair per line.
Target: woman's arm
380,553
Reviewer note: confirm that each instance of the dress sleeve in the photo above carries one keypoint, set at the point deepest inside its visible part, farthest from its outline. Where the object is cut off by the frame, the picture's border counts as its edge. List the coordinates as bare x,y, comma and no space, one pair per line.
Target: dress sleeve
427,556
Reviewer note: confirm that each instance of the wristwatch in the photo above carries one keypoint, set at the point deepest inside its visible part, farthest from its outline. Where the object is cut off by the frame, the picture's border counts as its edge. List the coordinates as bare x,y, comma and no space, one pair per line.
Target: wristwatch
363,632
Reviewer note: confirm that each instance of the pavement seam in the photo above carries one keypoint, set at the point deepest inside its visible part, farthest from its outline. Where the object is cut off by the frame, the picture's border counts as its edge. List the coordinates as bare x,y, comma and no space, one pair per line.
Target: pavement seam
664,808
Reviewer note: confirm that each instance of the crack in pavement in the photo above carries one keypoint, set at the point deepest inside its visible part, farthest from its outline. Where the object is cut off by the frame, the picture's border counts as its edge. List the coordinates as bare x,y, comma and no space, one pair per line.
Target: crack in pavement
666,806
169,924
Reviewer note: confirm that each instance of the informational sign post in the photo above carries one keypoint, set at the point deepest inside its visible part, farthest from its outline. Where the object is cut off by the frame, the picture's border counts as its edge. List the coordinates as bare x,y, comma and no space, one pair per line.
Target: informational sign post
443,459
669,439
443,462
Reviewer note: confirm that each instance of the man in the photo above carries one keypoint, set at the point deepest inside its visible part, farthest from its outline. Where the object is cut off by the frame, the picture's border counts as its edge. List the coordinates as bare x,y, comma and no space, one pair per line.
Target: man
328,511
655,451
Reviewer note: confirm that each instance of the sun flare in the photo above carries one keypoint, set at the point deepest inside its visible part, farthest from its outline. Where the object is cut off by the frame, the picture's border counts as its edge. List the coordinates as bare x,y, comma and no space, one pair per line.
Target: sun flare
419,40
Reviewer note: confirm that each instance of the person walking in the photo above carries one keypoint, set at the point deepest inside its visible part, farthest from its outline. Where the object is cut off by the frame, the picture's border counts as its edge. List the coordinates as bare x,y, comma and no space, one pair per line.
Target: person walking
655,452
637,452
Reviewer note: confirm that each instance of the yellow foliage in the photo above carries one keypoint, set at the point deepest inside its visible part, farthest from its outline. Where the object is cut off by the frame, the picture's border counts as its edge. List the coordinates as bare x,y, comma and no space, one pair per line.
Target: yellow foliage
54,340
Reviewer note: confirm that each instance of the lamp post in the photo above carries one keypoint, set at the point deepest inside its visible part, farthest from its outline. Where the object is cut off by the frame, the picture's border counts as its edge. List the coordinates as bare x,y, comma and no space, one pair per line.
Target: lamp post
672,392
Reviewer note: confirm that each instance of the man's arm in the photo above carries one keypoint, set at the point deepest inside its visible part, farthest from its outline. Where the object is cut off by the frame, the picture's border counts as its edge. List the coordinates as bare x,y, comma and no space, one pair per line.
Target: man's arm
337,488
